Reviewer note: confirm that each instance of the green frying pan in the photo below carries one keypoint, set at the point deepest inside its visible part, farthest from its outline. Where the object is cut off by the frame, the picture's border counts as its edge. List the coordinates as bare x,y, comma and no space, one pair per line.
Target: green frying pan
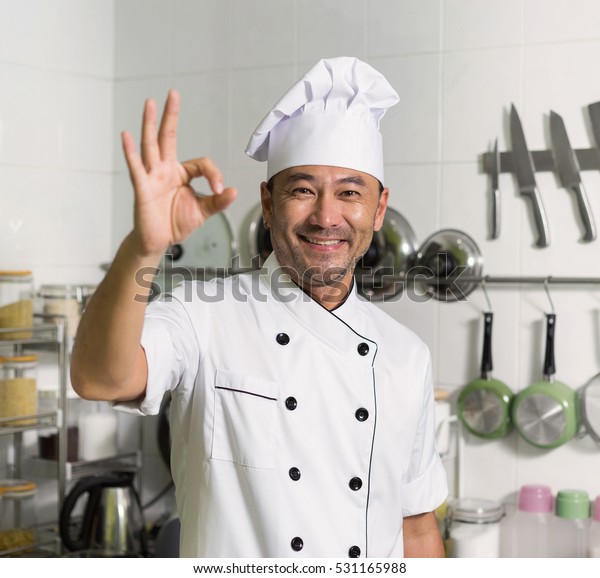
546,414
484,404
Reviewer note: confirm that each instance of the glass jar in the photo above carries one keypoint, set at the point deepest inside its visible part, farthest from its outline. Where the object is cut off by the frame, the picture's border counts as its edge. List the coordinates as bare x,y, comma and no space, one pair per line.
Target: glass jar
16,303
67,301
18,389
473,528
17,514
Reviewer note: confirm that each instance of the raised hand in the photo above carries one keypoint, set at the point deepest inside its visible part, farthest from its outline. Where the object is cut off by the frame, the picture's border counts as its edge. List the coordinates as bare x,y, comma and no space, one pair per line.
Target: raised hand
167,210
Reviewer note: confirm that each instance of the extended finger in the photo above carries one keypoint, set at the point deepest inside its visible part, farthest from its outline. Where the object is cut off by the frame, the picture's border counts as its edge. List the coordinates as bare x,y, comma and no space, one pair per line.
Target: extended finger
204,167
167,136
132,158
150,152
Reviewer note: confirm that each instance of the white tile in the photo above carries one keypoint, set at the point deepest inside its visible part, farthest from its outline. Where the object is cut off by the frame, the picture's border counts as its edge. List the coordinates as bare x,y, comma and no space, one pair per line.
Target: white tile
85,137
474,24
411,129
141,38
129,98
30,100
203,128
560,20
478,87
414,193
263,33
65,35
254,92
327,29
200,35
403,27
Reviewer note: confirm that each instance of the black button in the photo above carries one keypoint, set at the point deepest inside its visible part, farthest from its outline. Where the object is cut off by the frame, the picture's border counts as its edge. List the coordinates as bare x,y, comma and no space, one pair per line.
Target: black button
363,349
298,544
291,403
355,484
283,338
295,474
354,552
361,414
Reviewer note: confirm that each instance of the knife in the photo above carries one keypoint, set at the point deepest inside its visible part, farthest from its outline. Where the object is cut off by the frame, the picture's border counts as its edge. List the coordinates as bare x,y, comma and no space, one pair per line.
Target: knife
594,110
568,172
494,170
524,170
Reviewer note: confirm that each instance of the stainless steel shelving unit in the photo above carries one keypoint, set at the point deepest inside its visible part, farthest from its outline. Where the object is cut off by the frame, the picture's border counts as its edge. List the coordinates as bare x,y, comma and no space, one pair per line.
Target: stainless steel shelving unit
51,334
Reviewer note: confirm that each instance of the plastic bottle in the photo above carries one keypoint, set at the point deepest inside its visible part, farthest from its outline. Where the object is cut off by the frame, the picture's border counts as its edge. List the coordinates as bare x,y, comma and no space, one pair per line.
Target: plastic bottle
594,539
530,525
570,526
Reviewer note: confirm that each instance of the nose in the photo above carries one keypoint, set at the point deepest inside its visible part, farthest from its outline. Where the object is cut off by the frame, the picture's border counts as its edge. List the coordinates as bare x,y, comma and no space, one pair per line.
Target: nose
326,212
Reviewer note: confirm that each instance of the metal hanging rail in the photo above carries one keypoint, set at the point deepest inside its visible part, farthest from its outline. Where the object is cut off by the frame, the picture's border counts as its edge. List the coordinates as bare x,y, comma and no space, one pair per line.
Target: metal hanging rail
514,280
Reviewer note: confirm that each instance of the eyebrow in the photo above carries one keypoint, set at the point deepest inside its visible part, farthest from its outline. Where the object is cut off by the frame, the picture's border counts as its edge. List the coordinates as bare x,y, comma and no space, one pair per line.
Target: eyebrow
351,179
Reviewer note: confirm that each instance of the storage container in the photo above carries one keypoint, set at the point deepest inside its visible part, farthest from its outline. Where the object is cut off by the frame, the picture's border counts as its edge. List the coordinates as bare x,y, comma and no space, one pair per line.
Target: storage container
16,303
570,526
18,389
67,301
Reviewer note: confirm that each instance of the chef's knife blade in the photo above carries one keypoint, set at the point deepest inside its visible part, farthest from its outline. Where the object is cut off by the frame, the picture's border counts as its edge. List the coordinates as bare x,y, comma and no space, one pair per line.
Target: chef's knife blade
495,169
524,170
568,172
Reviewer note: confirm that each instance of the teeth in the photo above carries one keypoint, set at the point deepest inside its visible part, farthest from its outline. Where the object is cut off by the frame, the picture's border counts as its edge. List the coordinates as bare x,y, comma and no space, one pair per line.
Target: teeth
319,242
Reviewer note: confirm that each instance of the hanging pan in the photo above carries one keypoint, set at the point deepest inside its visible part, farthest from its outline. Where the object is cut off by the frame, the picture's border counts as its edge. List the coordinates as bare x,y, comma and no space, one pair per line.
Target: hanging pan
484,404
546,414
589,407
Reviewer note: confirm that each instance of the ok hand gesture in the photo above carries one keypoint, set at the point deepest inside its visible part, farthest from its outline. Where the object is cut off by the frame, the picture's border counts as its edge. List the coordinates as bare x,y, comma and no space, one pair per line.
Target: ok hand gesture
167,209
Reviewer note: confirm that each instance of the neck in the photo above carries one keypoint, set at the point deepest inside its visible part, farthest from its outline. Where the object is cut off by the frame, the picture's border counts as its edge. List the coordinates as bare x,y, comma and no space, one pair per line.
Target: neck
331,295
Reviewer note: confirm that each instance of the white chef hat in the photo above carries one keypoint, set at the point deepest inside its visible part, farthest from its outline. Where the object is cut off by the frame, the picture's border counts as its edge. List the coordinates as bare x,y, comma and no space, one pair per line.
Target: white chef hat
329,117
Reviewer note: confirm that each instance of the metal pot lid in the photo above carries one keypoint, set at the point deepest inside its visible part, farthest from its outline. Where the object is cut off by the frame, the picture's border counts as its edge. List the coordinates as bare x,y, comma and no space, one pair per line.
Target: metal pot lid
444,257
390,256
210,246
589,399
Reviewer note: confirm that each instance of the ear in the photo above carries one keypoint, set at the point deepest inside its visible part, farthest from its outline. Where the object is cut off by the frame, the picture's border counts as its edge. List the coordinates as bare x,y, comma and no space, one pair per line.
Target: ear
381,207
267,205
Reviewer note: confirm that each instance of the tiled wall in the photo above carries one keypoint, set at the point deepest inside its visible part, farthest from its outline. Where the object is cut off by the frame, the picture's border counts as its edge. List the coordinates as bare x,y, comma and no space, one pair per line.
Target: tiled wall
68,86
56,141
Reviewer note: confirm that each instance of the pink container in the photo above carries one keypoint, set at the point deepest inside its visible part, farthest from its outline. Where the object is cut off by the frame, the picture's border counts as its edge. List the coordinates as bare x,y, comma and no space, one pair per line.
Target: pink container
535,498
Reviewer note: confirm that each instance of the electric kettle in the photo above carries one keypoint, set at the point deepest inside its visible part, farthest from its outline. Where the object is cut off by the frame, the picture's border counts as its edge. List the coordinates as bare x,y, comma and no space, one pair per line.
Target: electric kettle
112,519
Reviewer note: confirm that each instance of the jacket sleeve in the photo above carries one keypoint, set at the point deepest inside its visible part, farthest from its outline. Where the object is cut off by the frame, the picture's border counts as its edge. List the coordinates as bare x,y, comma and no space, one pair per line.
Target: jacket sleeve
425,486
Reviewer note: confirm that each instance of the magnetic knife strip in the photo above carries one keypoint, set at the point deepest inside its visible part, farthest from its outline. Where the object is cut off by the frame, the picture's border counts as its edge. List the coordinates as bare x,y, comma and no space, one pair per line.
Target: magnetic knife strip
588,160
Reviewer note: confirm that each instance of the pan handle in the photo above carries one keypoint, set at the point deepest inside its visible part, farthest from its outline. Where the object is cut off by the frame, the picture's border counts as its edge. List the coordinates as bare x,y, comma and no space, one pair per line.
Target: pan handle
549,363
486,357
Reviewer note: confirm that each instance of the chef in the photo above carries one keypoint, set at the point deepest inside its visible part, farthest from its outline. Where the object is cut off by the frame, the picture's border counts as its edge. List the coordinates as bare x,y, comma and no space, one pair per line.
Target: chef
301,415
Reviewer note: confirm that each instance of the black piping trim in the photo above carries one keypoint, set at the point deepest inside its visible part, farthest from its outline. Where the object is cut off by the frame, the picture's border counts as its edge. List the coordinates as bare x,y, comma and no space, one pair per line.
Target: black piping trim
246,392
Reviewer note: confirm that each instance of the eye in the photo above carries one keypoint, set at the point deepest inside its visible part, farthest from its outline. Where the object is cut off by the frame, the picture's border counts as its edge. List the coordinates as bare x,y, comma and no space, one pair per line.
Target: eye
302,191
350,193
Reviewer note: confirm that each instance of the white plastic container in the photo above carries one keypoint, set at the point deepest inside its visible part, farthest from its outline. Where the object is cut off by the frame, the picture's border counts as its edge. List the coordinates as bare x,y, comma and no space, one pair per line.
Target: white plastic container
530,529
570,526
98,435
473,528
594,537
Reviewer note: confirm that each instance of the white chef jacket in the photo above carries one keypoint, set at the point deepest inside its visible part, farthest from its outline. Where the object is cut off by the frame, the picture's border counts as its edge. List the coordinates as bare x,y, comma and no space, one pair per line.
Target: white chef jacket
296,431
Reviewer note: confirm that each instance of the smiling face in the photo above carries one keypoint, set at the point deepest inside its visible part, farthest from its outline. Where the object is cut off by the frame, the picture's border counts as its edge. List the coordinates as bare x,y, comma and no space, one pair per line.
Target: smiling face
322,220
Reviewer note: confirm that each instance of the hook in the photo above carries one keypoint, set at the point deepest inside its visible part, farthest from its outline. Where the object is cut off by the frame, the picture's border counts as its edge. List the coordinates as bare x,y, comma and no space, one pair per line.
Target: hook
546,282
487,297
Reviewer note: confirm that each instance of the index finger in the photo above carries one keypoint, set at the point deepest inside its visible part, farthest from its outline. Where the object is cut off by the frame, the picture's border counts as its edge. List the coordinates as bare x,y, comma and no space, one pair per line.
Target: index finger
204,167
167,135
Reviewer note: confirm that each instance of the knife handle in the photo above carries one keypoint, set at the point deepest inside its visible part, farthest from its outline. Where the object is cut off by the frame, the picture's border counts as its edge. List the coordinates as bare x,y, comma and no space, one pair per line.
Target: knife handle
585,212
541,222
495,212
